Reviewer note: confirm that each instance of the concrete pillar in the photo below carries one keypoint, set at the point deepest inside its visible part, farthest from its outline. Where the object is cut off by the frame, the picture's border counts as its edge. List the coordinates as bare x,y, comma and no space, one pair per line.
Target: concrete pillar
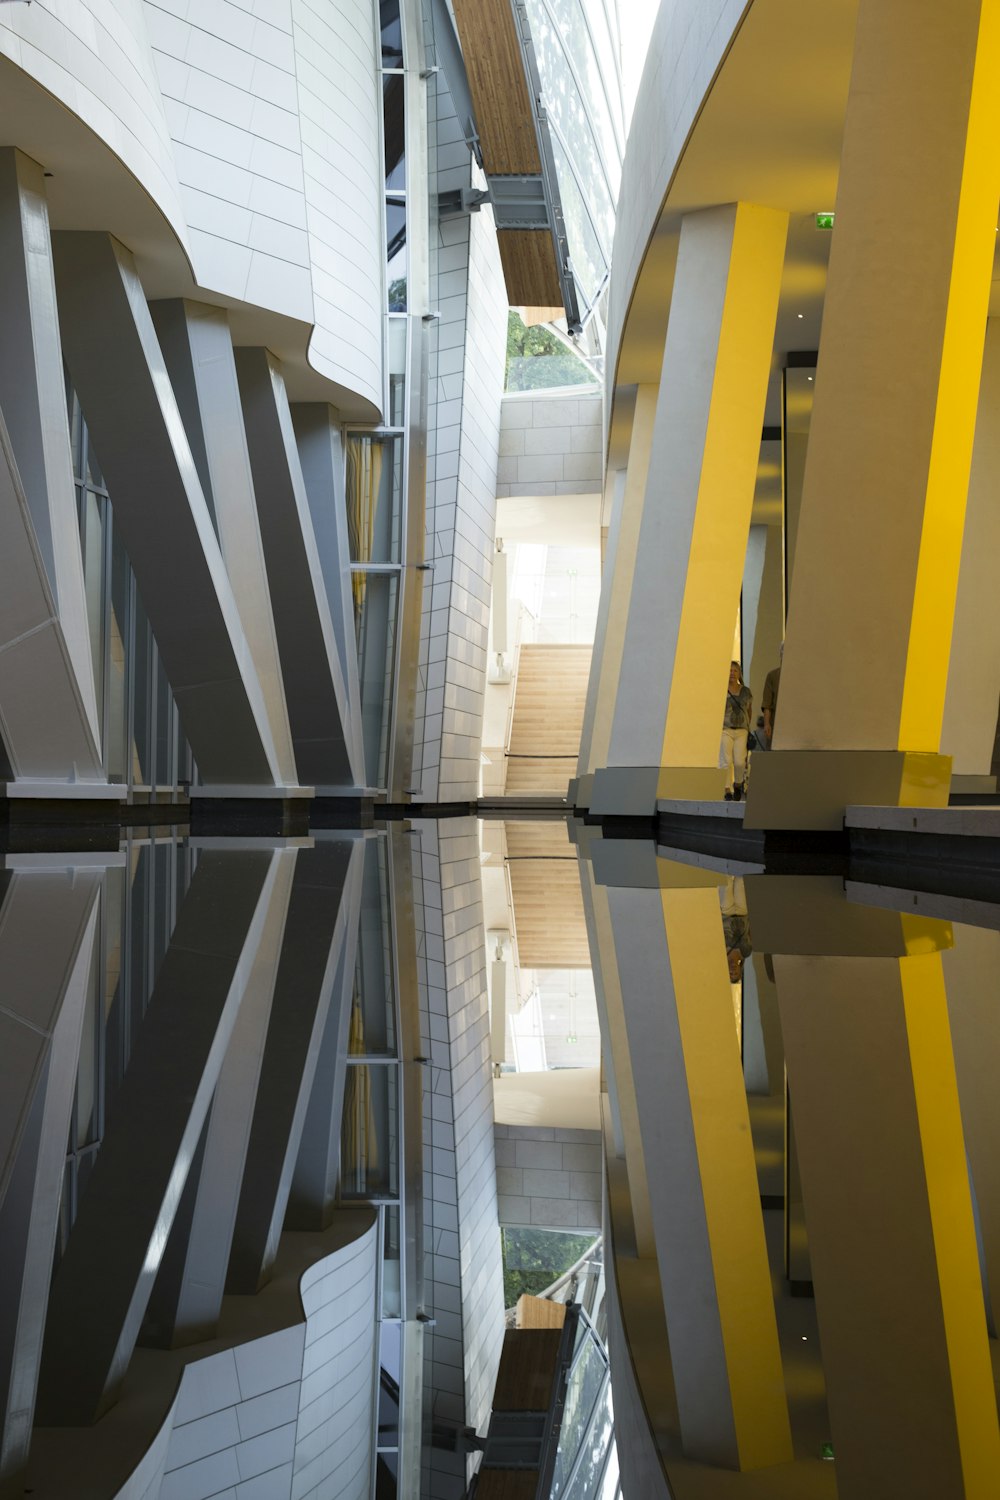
198,350
321,453
880,534
970,970
970,707
105,1278
615,1059
704,1198
313,1193
33,401
160,510
678,638
323,898
769,626
47,733
48,923
753,578
315,689
878,1134
186,1301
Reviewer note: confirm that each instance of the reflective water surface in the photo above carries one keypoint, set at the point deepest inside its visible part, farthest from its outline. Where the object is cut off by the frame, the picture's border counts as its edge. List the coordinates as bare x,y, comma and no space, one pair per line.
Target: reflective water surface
267,1101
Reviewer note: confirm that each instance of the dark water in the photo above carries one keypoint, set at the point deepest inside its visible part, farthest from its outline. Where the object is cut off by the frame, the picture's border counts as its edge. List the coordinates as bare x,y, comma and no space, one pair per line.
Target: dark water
248,1222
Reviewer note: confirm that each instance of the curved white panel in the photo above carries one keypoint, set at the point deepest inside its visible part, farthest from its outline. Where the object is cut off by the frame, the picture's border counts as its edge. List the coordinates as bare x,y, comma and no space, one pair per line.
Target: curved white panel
339,108
95,57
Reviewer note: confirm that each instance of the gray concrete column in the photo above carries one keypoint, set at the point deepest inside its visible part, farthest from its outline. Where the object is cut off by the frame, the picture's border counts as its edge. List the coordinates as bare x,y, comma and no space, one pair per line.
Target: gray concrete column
321,454
878,1133
670,691
105,1278
313,1193
198,349
159,506
315,690
970,970
187,1298
33,401
47,732
323,898
970,705
47,926
703,1190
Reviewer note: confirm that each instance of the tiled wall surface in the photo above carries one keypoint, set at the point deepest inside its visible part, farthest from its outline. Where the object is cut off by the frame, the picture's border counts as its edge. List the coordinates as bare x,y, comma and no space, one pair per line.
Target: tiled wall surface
227,72
339,109
464,1281
254,126
549,1179
463,439
95,56
551,444
284,1417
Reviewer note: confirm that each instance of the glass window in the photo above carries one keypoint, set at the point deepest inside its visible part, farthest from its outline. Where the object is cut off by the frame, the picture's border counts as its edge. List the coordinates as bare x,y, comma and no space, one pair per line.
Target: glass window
375,603
395,241
373,1022
374,498
397,370
394,130
392,34
369,1161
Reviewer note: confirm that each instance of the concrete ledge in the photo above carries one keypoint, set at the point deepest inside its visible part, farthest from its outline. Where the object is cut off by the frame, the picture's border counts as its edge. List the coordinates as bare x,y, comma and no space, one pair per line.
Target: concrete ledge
977,822
64,791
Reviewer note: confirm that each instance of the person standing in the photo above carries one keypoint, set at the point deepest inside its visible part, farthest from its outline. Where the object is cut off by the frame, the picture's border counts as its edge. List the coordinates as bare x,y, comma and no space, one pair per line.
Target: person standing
735,728
769,700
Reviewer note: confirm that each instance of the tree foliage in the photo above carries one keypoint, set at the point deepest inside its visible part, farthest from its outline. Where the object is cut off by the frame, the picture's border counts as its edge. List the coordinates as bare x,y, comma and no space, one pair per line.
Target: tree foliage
534,1258
537,360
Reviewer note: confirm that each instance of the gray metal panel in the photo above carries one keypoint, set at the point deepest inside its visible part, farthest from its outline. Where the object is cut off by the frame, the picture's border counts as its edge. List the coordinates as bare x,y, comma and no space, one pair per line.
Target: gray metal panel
106,1276
314,683
323,896
321,454
198,350
47,927
33,400
317,1168
187,1298
47,733
160,509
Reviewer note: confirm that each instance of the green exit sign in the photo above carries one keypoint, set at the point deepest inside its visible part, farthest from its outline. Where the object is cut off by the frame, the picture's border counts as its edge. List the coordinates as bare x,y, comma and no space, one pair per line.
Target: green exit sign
824,221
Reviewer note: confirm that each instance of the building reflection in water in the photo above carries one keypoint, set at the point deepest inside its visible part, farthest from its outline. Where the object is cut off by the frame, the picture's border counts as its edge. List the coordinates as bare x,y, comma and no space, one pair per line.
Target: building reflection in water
248,1205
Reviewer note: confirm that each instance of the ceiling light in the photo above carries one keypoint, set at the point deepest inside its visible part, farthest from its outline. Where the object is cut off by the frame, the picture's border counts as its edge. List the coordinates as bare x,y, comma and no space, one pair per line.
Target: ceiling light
800,315
809,378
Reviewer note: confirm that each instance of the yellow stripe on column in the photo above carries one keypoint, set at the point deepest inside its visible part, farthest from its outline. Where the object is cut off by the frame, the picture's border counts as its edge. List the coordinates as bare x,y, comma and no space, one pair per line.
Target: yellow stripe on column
726,487
730,1195
926,680
950,1205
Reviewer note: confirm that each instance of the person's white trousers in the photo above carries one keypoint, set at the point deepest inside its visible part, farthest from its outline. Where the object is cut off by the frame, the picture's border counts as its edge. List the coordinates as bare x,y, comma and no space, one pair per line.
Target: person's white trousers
733,756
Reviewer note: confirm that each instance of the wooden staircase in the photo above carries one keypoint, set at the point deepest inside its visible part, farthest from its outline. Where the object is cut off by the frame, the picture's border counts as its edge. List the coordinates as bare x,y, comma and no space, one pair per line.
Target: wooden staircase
547,718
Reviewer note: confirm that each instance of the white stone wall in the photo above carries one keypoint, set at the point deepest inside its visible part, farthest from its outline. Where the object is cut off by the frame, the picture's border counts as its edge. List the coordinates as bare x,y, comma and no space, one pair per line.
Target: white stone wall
287,1416
227,73
463,442
548,1178
339,114
463,1270
551,444
254,126
95,56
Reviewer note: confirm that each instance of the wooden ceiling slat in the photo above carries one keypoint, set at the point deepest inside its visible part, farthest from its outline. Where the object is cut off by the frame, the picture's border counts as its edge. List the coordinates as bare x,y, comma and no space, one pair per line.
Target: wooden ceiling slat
528,258
499,89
